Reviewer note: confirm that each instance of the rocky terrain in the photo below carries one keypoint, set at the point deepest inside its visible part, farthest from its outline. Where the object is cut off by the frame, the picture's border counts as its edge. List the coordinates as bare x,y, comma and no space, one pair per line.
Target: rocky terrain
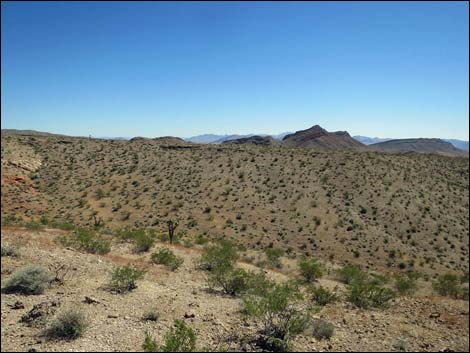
390,214
423,322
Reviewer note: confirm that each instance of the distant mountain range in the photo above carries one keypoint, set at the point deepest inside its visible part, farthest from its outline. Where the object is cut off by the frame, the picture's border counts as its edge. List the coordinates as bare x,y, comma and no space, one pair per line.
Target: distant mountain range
463,145
337,139
213,138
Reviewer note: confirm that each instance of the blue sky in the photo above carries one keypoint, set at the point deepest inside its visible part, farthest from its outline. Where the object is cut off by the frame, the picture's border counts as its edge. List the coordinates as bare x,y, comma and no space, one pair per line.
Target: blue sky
152,69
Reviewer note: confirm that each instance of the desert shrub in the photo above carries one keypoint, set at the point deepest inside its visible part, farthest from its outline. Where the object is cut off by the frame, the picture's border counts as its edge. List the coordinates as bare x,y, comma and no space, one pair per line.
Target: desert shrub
277,307
165,256
33,225
150,345
350,273
143,242
238,281
322,329
365,294
9,250
123,279
86,239
28,280
201,239
406,284
310,269
323,296
221,255
449,285
180,338
151,315
274,257
69,325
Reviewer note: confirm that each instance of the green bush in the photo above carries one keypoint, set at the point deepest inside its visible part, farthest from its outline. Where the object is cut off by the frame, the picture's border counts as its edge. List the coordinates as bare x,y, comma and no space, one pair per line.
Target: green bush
351,273
221,255
149,345
143,242
165,256
277,307
310,269
69,325
406,284
28,280
449,285
274,257
238,281
86,239
366,294
123,279
180,338
323,296
322,329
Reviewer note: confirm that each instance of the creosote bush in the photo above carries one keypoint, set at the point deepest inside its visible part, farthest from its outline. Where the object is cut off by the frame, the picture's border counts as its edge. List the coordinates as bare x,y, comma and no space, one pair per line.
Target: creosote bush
165,256
180,338
28,280
323,296
406,284
220,255
68,326
365,294
449,285
123,279
87,240
310,269
278,308
350,273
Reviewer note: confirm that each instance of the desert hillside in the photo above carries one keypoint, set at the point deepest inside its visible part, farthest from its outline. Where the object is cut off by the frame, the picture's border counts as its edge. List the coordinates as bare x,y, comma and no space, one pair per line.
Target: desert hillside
381,210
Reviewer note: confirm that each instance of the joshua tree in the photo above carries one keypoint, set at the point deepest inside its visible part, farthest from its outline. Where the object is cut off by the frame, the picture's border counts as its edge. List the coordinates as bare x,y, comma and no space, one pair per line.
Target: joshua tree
172,224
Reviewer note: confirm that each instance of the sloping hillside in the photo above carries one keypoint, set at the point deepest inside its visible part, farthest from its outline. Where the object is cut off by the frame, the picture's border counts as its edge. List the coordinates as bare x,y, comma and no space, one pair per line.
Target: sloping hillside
380,210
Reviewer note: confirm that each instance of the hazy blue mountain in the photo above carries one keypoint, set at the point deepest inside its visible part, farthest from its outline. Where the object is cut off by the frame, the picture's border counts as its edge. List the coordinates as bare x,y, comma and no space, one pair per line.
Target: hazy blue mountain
461,144
370,140
212,138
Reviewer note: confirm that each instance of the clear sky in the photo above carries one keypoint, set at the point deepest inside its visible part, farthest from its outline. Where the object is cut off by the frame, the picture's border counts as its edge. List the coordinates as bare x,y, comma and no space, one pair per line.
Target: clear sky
153,68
